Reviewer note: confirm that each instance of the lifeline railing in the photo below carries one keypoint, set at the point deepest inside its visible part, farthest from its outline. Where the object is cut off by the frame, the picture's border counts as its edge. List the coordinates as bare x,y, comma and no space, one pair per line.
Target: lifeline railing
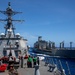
62,70
54,66
68,68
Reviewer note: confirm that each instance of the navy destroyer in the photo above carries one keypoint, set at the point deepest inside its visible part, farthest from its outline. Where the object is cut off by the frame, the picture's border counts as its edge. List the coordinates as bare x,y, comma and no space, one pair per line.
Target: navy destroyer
44,47
11,43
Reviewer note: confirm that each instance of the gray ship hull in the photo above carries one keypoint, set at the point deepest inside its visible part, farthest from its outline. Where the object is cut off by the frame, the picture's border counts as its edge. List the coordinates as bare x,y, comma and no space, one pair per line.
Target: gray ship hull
59,53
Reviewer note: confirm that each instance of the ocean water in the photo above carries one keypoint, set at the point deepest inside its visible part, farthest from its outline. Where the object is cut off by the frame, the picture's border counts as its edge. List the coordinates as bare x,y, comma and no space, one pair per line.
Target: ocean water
68,64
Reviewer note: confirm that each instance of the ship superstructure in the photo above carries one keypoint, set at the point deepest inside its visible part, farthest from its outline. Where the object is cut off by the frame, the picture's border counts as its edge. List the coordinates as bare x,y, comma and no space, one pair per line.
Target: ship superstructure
11,42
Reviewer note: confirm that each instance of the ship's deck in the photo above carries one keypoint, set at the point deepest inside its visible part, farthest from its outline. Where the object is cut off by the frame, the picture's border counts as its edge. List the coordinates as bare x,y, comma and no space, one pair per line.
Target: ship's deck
30,71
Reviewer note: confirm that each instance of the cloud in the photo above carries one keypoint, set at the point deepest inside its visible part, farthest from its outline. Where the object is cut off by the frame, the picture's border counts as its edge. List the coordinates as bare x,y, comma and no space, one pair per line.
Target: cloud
49,22
65,11
34,37
29,36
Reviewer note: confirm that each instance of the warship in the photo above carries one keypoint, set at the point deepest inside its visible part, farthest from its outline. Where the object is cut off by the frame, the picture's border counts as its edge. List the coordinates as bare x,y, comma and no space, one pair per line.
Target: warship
11,43
15,46
43,47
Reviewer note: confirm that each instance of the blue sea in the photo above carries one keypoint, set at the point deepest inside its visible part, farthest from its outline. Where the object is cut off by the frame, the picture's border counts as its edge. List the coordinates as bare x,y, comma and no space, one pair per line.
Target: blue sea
68,64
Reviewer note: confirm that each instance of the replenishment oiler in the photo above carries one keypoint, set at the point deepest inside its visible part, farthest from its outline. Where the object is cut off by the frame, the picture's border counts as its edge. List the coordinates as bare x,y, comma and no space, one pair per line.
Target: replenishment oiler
44,47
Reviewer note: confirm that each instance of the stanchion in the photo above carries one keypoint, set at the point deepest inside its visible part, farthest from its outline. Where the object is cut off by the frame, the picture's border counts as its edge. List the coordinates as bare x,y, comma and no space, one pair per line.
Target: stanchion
21,62
37,72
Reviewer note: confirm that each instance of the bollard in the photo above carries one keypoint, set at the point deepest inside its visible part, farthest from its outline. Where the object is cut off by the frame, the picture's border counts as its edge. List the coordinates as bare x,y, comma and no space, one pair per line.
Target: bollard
37,72
51,67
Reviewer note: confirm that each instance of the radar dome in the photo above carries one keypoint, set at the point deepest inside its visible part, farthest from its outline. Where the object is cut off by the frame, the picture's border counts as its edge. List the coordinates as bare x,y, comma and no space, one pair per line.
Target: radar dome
2,34
17,34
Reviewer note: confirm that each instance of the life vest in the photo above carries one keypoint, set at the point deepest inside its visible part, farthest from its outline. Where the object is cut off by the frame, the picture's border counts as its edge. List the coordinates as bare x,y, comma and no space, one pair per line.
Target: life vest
26,56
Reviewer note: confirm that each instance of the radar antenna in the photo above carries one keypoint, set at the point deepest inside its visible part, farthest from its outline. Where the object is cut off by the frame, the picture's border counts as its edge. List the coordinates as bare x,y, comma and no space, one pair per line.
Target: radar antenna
9,13
8,3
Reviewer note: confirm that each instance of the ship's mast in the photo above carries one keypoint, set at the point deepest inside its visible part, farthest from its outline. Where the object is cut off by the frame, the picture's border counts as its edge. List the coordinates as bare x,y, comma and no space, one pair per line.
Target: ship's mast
9,26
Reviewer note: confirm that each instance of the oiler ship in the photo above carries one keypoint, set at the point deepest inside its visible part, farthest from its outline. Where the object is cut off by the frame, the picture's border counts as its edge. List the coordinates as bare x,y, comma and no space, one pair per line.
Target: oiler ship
44,47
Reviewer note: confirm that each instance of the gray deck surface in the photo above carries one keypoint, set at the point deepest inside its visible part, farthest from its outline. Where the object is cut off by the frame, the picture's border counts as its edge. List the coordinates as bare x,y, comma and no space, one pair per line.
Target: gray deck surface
30,71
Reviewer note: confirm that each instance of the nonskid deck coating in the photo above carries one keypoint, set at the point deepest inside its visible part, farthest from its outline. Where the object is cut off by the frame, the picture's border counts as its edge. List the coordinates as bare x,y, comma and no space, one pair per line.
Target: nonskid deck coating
30,71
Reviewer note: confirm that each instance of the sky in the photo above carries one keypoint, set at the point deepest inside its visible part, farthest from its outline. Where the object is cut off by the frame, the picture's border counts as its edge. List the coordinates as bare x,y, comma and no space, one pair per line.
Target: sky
54,20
